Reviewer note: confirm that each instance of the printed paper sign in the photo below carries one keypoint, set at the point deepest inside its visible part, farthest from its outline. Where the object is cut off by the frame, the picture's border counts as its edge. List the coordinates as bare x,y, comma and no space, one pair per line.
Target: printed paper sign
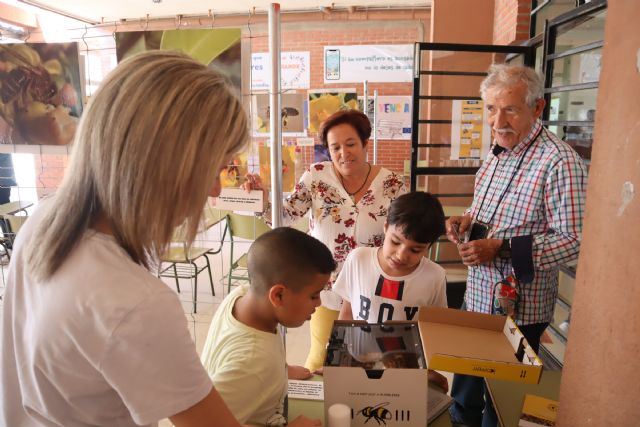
374,63
294,71
237,199
470,133
311,390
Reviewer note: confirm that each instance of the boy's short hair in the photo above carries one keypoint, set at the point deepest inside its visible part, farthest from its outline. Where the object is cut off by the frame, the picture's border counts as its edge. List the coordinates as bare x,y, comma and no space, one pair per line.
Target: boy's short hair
286,256
419,215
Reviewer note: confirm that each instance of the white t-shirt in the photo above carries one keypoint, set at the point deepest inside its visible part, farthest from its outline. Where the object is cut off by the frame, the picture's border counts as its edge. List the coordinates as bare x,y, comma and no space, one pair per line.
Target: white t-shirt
247,366
377,297
101,343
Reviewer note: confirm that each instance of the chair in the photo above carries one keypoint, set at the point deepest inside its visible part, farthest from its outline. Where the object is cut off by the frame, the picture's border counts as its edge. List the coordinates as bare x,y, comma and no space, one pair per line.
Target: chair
247,227
211,217
12,223
182,261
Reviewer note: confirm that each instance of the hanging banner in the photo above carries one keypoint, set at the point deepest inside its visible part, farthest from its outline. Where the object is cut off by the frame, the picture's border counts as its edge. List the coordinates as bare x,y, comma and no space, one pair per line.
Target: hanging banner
470,132
374,63
294,71
219,47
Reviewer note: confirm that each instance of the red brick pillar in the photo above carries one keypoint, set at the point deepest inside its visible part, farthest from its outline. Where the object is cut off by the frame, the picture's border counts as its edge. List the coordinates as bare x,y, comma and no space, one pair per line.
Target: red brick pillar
511,21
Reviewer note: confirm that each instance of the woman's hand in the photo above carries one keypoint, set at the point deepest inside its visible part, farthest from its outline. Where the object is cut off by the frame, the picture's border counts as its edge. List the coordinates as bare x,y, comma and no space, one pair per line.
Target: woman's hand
254,182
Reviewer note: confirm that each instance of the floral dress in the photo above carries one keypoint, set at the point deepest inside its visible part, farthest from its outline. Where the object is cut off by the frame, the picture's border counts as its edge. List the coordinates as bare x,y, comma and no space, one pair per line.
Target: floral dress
335,219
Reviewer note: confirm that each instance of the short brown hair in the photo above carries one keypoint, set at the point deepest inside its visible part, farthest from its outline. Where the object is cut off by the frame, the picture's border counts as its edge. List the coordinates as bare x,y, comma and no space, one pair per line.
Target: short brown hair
287,256
358,120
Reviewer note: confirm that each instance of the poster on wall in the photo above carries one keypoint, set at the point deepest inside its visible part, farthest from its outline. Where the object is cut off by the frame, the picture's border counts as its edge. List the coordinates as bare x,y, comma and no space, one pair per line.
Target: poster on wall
218,47
294,71
322,104
40,93
292,114
374,63
392,116
288,166
233,174
470,132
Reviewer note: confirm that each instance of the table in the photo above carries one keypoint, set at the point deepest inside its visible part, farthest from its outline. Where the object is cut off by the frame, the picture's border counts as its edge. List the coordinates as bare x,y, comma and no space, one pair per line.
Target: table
12,208
508,396
314,409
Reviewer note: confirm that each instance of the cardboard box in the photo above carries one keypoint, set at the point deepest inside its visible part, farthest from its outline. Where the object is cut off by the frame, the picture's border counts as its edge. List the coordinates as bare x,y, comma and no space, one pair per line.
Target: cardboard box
538,412
379,372
477,344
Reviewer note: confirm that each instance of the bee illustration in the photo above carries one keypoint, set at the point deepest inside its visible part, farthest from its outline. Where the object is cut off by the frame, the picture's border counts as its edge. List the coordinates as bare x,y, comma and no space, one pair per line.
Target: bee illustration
378,413
285,113
27,79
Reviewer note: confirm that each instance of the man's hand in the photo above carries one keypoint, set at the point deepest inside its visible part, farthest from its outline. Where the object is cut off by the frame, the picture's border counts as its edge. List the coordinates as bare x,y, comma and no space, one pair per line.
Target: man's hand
456,227
302,421
298,373
478,252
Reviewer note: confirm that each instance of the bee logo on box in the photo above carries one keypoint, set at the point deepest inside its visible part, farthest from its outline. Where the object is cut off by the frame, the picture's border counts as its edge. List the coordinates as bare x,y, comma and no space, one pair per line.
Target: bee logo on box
381,414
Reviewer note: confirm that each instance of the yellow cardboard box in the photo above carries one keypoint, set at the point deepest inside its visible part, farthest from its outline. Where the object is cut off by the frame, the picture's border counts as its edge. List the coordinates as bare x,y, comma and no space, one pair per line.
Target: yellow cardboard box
538,412
477,344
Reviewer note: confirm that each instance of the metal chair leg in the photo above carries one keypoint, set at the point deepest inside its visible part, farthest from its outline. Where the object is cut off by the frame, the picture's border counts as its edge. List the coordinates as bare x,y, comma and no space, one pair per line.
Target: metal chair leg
175,273
213,292
195,287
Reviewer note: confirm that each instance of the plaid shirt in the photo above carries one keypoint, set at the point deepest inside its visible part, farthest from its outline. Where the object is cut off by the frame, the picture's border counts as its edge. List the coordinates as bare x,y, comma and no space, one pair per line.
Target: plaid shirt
544,198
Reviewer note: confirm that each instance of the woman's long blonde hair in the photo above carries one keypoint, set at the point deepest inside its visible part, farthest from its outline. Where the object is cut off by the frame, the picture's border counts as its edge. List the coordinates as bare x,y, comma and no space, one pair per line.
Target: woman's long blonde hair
146,154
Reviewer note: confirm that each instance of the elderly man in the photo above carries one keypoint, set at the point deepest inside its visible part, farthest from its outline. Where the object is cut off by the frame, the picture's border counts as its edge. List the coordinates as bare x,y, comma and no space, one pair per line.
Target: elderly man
525,220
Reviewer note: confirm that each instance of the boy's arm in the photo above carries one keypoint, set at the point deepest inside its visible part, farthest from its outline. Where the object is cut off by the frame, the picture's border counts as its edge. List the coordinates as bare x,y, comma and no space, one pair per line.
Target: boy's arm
212,411
345,311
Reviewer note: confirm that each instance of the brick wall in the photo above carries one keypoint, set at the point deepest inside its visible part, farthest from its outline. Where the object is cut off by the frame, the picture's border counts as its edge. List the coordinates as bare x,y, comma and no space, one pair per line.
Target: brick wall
511,21
391,153
303,32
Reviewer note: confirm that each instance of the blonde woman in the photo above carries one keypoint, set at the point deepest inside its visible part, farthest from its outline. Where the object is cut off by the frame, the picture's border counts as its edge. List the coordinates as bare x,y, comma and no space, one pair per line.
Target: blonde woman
89,336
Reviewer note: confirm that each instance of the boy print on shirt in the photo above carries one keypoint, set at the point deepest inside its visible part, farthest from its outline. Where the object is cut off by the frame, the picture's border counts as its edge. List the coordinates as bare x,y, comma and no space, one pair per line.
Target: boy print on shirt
389,289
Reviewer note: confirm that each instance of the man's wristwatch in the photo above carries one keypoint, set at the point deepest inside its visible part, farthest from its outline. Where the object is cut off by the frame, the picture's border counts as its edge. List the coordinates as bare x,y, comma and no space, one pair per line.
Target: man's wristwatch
505,249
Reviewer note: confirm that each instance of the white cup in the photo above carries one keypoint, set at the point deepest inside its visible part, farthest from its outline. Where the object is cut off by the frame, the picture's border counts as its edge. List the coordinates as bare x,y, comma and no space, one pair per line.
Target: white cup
339,415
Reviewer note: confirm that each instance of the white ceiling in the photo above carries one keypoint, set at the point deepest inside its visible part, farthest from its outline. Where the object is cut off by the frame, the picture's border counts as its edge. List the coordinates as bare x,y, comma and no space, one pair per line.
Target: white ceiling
111,10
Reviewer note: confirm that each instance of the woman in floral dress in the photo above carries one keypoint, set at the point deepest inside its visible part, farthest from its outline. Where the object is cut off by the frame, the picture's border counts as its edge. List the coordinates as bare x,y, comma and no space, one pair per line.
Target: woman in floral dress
348,199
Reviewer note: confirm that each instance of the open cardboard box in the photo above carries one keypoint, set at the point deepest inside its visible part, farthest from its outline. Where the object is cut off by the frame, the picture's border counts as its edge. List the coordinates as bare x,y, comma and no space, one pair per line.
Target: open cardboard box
477,344
378,372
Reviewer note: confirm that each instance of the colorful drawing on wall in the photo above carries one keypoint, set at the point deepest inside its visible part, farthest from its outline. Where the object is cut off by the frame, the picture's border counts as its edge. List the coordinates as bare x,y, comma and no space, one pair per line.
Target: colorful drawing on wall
288,166
233,175
40,93
324,104
218,47
291,113
320,154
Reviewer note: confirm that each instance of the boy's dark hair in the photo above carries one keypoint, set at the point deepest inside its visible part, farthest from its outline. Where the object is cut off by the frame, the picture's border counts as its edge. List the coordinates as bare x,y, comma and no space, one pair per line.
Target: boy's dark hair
286,256
357,120
419,215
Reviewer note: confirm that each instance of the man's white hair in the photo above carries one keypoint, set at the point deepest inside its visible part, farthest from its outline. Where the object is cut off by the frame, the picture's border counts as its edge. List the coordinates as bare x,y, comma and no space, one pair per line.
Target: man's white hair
504,76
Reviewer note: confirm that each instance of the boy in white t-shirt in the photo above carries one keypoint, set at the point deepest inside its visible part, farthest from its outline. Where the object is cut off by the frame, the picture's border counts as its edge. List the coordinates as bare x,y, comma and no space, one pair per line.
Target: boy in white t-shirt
244,351
393,281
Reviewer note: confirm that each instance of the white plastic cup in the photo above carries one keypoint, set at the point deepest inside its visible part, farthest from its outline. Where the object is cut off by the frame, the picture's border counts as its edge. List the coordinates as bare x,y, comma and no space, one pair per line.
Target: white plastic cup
339,415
